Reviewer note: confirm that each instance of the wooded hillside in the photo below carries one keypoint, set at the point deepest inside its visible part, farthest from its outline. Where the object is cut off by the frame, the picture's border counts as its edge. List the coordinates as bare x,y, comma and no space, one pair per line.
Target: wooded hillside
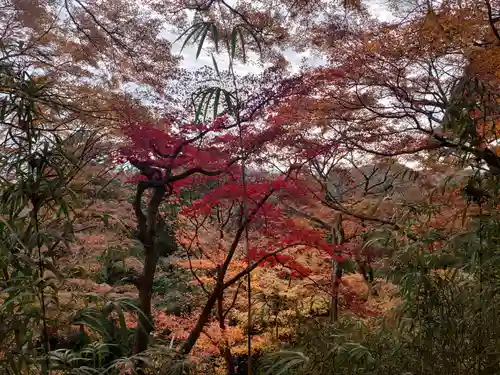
180,195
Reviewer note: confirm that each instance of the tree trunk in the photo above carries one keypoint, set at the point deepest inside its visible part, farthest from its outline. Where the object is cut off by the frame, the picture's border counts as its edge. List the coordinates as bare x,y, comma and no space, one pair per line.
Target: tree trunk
145,293
200,323
338,237
219,288
334,309
224,347
147,235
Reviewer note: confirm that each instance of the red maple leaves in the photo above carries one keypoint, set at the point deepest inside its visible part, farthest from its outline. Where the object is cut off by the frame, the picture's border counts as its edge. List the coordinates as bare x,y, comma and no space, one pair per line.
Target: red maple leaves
215,149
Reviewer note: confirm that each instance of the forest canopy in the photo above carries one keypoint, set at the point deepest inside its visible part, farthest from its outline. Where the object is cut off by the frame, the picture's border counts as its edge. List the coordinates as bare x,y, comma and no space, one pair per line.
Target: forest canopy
249,187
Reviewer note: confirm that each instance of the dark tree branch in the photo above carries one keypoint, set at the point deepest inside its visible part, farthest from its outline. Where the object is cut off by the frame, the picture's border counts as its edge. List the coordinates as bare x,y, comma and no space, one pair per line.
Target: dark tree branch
222,270
199,170
256,264
492,20
233,302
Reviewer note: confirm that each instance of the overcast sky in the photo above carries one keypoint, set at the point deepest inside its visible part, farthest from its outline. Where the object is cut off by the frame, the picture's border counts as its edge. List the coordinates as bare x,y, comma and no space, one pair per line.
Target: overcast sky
295,59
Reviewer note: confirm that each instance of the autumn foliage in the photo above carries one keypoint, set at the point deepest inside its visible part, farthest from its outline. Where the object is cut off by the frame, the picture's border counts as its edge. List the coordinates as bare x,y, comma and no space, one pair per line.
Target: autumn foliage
211,216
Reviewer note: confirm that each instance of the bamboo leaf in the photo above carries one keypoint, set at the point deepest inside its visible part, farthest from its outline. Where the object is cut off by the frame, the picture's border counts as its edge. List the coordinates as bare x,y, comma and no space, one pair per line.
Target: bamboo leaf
215,37
242,38
284,361
216,66
255,38
51,267
216,102
194,28
202,40
208,103
63,209
229,101
234,35
200,105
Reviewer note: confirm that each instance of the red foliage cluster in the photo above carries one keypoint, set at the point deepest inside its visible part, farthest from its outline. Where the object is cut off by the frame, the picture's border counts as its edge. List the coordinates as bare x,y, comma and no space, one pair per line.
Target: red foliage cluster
186,157
174,148
233,191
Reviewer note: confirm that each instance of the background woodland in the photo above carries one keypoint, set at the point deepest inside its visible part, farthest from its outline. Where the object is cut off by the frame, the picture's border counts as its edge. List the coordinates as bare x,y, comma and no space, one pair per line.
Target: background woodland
340,217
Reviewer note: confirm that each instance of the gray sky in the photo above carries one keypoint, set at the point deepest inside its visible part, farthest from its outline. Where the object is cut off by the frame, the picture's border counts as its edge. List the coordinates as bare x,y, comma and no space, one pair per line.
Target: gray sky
376,7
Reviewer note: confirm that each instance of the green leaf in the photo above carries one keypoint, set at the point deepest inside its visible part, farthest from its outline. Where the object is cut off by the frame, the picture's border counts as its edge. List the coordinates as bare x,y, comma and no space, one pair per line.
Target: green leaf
216,66
255,38
208,103
216,102
215,37
229,101
51,267
202,40
234,35
284,361
105,219
63,208
200,105
194,28
242,38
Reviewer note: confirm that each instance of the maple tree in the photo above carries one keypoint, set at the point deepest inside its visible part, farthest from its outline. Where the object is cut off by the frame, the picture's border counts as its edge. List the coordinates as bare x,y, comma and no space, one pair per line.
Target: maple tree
169,158
410,93
194,160
391,95
96,56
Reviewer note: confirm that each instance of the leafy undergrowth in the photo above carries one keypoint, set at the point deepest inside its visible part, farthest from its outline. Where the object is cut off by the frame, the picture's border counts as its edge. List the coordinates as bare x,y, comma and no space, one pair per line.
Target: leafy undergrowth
104,265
